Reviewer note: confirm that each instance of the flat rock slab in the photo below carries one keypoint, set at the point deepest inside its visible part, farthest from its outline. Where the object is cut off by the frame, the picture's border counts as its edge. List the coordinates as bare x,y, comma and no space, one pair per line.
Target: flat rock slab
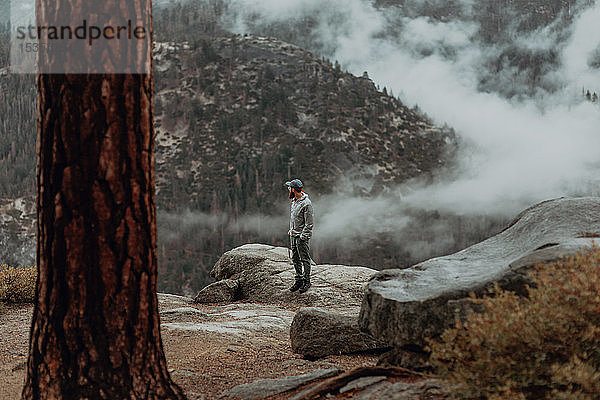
268,387
404,307
263,273
362,383
168,301
318,332
425,389
240,319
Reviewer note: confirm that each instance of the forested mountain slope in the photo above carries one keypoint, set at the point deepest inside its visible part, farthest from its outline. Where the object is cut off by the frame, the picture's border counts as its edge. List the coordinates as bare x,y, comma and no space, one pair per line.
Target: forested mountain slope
237,116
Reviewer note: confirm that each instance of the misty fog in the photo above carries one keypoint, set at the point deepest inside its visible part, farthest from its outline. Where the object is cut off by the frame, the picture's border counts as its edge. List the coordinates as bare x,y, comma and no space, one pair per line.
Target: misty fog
526,132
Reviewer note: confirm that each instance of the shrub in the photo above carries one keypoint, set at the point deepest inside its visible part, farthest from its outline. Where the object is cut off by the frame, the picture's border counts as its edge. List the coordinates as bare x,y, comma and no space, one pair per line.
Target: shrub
17,284
543,346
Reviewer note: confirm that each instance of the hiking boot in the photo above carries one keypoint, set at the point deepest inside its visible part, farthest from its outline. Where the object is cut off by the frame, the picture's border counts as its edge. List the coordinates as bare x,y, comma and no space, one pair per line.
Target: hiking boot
296,286
304,287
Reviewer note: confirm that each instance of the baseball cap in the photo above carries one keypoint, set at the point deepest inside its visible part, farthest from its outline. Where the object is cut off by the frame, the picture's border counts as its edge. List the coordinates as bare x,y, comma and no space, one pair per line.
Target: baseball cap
295,184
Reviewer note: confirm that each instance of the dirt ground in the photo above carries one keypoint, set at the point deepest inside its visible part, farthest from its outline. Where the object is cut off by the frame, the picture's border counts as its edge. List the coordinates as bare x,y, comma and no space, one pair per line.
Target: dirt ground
204,363
14,340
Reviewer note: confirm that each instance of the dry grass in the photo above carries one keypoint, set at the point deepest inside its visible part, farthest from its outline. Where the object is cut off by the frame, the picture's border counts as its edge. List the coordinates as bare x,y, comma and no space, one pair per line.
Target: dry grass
545,346
17,284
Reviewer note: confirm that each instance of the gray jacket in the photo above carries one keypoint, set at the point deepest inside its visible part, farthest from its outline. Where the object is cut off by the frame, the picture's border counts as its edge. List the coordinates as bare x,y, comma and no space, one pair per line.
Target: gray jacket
301,217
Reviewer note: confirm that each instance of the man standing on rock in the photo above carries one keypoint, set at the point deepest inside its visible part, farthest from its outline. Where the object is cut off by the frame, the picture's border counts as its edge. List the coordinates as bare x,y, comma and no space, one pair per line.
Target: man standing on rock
301,225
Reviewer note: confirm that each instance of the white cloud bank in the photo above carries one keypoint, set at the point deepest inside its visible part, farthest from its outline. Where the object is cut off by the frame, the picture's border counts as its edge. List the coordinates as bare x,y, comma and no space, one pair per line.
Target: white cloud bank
522,151
543,143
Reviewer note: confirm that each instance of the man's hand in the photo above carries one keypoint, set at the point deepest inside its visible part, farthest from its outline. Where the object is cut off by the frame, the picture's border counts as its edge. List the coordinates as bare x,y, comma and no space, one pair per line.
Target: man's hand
289,233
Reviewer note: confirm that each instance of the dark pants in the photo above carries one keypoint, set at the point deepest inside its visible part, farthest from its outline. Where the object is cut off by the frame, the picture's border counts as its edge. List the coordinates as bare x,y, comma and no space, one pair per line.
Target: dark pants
301,258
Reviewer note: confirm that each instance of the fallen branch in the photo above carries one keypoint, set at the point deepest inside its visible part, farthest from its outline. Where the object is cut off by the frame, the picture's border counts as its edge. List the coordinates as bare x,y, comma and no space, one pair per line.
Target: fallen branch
334,384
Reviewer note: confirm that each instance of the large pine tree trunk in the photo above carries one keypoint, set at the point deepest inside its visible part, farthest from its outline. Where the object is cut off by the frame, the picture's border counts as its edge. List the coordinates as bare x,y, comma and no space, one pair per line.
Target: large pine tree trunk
95,331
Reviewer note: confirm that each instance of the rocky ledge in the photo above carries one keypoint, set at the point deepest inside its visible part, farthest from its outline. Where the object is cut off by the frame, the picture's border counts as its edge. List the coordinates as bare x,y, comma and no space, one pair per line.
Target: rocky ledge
328,322
403,307
263,273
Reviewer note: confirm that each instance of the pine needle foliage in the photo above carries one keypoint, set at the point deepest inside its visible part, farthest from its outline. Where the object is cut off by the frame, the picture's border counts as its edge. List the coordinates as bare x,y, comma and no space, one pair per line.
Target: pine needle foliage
543,346
17,284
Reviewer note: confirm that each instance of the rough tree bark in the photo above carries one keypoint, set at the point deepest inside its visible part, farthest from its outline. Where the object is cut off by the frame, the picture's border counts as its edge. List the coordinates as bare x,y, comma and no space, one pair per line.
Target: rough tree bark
95,331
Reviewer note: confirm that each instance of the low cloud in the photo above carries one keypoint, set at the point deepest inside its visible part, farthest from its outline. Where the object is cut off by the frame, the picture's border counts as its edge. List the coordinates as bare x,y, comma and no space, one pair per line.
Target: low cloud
526,132
519,150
